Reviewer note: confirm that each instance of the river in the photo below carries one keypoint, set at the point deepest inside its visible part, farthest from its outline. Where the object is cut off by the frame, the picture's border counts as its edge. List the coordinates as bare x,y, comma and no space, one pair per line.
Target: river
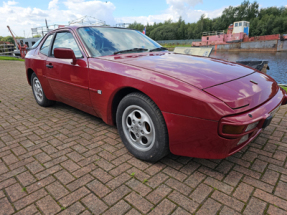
277,61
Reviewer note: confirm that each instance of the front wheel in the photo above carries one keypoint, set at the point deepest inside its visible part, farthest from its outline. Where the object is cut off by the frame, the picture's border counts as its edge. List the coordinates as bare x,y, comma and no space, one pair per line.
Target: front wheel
142,127
38,92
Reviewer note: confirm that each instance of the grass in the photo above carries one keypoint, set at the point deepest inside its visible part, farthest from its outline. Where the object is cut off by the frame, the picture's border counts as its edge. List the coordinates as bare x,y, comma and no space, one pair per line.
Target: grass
285,88
11,58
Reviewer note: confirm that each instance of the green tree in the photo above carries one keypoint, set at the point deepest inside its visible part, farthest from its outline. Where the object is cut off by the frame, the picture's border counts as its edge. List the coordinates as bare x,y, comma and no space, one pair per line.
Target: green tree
264,21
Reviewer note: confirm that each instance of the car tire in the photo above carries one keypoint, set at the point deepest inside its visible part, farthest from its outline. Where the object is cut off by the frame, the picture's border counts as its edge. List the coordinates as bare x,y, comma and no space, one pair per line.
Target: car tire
38,92
142,127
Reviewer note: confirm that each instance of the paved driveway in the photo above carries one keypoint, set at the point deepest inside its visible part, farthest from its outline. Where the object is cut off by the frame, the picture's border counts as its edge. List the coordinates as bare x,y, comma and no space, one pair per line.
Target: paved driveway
61,160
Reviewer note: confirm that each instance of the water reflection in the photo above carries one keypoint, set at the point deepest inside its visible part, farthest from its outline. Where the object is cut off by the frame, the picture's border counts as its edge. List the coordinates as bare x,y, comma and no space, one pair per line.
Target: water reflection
277,61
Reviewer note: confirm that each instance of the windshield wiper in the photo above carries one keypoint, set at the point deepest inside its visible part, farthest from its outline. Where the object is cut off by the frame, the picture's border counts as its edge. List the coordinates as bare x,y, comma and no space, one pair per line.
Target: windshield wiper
158,49
131,50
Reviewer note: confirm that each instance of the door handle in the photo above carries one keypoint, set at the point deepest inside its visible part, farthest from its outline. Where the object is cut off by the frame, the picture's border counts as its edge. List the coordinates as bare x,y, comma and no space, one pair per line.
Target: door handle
49,66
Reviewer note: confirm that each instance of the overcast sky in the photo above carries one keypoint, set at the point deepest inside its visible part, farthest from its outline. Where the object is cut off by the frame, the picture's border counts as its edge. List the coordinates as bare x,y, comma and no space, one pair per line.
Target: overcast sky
22,15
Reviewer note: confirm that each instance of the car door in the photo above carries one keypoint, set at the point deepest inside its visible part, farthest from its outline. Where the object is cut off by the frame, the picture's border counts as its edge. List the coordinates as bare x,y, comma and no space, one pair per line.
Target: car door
70,83
39,64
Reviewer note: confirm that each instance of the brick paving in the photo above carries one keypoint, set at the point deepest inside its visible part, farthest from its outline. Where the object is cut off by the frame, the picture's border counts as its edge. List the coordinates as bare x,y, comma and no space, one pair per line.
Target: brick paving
59,160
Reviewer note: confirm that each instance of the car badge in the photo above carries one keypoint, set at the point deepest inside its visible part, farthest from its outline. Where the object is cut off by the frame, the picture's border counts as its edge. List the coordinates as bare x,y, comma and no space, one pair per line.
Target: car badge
254,82
250,115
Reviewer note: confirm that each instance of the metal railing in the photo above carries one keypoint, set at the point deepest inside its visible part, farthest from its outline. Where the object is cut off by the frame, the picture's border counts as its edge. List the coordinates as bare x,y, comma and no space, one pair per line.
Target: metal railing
212,33
6,49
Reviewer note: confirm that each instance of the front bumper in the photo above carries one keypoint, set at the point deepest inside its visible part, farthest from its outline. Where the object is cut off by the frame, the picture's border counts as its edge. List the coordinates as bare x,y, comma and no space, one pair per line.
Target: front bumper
194,137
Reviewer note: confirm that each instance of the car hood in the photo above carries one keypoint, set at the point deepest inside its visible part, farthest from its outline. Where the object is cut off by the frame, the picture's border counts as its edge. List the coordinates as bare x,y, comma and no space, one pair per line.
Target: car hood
201,72
234,84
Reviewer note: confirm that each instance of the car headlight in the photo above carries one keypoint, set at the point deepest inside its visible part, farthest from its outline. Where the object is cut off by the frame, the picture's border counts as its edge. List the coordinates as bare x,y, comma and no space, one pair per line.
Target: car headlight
243,139
251,126
233,129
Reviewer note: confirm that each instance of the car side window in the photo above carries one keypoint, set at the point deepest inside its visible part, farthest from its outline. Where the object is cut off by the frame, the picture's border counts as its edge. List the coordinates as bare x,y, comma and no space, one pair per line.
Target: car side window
46,45
66,40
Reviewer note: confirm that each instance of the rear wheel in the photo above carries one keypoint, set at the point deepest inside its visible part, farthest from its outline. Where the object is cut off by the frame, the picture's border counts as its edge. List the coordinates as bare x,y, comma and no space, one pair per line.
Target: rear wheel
142,127
38,92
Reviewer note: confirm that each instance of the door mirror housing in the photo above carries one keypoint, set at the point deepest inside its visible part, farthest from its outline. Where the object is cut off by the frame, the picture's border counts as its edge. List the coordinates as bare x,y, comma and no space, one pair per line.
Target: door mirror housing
64,53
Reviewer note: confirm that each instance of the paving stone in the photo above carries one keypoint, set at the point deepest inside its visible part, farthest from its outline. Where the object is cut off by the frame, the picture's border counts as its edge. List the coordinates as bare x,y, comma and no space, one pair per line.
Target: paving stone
233,178
139,187
259,165
255,206
35,167
73,197
9,159
224,166
195,179
258,184
227,200
94,204
275,210
175,174
281,190
165,207
219,185
15,192
98,188
139,202
270,199
31,209
133,212
116,195
26,178
228,211
243,192
48,205
39,184
70,165
270,177
73,163
75,208
209,207
120,208
182,200
57,190
80,182
200,193
6,207
30,199
176,185
64,177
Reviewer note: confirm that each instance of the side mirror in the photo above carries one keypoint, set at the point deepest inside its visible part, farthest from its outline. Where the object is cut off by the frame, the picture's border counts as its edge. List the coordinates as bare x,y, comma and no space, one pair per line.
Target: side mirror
64,53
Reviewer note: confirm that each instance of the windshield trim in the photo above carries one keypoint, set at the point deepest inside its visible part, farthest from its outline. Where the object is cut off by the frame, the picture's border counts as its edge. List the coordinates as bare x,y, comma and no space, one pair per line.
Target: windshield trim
39,41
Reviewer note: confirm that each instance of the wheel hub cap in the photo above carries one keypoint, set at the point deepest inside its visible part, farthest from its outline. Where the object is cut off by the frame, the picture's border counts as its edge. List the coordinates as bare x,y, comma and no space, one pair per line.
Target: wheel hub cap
138,128
38,91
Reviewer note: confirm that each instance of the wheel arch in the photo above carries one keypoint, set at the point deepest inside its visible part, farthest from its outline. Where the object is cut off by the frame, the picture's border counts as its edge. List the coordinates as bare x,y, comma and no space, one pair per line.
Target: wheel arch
29,74
119,95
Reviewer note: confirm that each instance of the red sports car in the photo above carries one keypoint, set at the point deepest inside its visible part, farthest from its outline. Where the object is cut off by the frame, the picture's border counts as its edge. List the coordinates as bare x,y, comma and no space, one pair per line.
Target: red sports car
160,101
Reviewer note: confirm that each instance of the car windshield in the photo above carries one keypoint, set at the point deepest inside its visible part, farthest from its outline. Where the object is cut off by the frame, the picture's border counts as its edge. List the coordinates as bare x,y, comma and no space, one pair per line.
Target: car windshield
102,41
